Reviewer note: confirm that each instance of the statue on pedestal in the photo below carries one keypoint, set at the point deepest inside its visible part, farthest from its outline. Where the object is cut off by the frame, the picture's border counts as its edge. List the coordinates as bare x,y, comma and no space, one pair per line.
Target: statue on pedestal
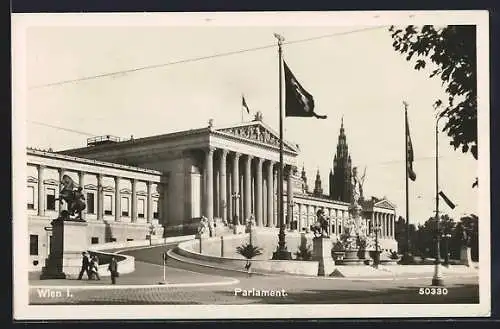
320,228
73,197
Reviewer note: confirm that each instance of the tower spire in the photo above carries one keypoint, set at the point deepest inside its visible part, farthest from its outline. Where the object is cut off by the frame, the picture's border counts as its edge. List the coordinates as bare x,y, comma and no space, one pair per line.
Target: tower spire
340,180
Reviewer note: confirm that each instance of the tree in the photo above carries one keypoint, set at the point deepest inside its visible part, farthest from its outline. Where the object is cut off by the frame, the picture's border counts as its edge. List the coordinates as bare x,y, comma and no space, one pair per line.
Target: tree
249,251
452,50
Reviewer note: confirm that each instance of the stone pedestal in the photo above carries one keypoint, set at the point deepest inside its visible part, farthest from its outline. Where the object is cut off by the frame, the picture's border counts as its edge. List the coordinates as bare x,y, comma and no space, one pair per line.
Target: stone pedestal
238,229
465,256
322,252
69,240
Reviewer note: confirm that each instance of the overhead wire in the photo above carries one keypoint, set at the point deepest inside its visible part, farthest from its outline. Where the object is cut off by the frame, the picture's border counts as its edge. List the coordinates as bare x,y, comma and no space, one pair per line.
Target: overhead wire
195,59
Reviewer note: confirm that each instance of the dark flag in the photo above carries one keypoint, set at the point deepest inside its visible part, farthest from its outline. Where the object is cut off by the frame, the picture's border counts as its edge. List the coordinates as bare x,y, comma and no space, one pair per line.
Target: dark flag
448,201
298,102
409,165
244,104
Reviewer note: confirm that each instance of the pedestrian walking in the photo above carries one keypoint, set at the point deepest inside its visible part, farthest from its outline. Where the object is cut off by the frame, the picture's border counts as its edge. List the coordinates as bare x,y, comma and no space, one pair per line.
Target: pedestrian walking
94,268
85,266
113,268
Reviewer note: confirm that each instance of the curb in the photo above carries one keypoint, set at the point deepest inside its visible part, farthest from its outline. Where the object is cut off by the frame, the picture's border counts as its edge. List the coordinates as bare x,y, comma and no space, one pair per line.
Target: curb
173,255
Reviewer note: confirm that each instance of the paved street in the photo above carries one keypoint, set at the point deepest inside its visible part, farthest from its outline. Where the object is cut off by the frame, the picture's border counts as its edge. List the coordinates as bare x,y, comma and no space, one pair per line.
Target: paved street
192,284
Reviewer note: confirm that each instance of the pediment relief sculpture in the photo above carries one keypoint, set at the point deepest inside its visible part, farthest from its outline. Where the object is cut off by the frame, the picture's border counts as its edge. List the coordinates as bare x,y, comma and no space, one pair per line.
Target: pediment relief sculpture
257,133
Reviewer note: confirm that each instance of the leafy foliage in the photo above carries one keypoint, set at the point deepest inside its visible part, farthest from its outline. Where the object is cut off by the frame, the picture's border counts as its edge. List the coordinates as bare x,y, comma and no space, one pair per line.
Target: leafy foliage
304,252
423,240
452,50
249,251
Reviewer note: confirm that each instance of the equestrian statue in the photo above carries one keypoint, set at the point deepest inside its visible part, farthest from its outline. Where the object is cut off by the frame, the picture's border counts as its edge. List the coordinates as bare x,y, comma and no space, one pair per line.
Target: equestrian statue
73,197
320,227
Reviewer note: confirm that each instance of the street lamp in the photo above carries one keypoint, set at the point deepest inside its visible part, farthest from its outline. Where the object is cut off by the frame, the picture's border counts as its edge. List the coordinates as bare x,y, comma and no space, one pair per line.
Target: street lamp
446,237
375,228
437,279
291,204
235,196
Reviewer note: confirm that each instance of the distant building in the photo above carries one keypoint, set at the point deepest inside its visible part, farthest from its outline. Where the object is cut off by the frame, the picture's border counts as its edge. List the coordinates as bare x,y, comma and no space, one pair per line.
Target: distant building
340,176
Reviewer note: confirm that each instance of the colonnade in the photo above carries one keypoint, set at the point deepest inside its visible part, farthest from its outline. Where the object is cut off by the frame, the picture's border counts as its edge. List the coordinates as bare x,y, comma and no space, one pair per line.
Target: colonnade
42,208
246,186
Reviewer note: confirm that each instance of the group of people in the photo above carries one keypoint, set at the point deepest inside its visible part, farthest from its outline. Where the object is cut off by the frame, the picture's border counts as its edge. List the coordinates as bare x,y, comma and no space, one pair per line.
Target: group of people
90,265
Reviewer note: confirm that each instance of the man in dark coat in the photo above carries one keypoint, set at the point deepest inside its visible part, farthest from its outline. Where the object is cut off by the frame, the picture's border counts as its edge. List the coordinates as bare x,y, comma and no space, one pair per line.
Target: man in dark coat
113,268
85,266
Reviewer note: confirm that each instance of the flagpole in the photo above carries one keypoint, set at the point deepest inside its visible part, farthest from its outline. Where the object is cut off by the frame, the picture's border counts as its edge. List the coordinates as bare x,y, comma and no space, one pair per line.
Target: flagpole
281,252
407,255
437,279
242,108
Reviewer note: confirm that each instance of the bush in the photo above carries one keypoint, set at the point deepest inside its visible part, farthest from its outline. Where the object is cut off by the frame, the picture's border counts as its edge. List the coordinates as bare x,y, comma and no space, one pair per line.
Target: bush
249,251
304,253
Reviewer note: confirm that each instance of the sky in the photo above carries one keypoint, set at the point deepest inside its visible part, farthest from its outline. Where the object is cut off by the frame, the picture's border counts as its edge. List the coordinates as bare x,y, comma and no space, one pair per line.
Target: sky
354,75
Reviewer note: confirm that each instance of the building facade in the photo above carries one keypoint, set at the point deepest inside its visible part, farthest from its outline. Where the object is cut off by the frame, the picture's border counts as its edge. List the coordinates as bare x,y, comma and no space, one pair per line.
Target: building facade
164,183
121,201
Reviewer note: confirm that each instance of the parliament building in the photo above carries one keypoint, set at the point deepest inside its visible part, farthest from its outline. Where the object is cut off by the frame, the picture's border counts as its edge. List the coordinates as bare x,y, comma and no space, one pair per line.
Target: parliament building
158,186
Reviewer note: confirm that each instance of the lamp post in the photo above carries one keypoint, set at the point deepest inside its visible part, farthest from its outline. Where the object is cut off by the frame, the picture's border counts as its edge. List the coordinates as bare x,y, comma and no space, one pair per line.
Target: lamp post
235,196
291,204
437,279
446,237
376,227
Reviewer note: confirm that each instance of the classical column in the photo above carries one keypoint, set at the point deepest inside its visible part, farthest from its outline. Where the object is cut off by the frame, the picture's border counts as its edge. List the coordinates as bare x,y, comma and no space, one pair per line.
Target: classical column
386,225
300,219
258,194
384,221
118,200
81,184
236,187
270,194
209,179
134,201
61,174
100,197
275,199
222,186
41,192
289,197
149,216
393,219
248,188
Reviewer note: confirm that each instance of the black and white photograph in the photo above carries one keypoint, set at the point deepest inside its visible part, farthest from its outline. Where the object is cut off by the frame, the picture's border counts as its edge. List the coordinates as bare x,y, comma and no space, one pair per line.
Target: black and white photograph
251,165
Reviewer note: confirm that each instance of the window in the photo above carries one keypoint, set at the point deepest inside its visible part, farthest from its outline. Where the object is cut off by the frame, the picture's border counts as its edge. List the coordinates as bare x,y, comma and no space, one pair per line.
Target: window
94,240
340,229
31,197
140,208
33,245
108,205
125,205
155,209
90,203
333,228
51,199
129,239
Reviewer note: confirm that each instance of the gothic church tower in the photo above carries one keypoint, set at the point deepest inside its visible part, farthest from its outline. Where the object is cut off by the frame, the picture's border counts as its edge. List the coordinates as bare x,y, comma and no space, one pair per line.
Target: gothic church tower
340,177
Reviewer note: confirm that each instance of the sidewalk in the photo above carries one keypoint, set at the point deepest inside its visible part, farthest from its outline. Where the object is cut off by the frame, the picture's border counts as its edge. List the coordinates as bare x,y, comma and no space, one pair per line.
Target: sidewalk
144,274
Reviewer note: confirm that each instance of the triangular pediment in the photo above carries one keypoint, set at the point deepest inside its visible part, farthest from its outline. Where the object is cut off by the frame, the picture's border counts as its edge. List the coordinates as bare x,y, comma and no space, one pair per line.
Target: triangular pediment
259,132
385,204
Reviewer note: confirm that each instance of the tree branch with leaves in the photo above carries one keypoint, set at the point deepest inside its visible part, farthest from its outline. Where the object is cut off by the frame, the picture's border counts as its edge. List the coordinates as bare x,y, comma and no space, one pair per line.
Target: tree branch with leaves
451,50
